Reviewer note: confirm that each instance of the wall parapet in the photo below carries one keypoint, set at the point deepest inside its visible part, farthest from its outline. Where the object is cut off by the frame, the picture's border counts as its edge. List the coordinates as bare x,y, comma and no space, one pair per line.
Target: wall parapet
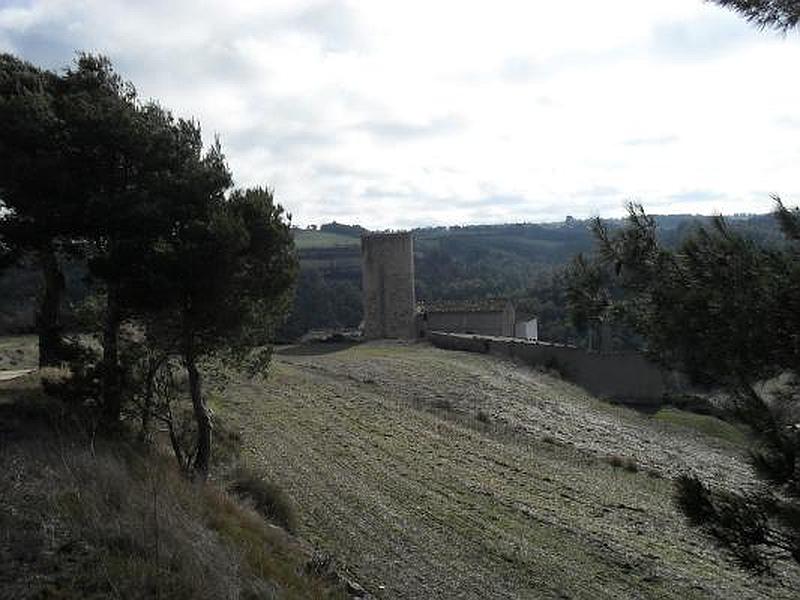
623,377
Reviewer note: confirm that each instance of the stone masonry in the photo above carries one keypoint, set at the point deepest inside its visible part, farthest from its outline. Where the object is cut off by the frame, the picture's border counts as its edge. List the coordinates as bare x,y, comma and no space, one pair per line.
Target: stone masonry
388,285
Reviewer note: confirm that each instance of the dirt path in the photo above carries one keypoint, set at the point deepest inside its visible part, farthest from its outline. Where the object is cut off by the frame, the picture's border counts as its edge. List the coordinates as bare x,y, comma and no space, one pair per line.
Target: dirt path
446,475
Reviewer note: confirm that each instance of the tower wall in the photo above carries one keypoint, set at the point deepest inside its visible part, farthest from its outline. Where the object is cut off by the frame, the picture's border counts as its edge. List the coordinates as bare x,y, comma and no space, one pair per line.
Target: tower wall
388,285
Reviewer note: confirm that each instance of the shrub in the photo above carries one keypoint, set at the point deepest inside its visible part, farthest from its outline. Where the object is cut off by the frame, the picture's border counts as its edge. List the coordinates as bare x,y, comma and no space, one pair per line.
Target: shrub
442,404
267,498
552,366
623,462
739,523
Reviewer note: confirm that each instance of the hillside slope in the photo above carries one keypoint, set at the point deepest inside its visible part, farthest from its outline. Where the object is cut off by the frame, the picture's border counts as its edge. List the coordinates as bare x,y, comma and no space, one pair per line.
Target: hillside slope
87,518
441,474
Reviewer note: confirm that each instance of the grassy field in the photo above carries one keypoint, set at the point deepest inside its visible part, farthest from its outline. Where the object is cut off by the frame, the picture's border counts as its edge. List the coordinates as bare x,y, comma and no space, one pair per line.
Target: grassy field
707,424
435,474
323,239
423,474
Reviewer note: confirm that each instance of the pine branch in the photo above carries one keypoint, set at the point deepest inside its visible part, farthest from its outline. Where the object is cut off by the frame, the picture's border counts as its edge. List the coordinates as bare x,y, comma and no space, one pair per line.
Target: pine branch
781,15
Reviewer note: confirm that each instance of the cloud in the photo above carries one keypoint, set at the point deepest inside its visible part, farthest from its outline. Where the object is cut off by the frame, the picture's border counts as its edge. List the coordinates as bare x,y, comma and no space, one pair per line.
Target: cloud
399,131
374,191
599,191
279,142
704,37
399,114
524,69
506,201
334,170
791,122
652,141
335,23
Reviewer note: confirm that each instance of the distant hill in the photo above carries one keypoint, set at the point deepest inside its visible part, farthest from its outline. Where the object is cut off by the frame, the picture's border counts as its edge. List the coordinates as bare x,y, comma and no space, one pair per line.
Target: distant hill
306,239
521,261
330,235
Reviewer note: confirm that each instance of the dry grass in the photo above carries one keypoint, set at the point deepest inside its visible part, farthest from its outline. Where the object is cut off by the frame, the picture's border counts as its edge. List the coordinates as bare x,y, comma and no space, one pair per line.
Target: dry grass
431,502
269,500
707,424
108,520
144,517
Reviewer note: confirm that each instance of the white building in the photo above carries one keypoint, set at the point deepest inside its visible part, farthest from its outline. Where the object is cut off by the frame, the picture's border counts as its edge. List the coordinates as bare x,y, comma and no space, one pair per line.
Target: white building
527,329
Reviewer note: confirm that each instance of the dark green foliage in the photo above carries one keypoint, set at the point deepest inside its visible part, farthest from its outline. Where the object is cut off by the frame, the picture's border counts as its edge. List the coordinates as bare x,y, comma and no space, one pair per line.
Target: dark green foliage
775,456
714,307
788,219
35,185
228,273
623,462
180,266
776,14
38,195
588,298
724,309
587,291
525,262
135,164
739,523
546,299
342,229
224,279
490,261
320,303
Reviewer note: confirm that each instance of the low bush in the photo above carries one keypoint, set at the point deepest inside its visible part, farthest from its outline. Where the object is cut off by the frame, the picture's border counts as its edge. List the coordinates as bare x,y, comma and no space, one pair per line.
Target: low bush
740,523
623,462
267,499
483,417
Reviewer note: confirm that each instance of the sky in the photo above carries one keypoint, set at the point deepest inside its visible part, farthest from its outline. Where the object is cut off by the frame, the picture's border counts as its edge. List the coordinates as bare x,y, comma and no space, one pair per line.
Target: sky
422,113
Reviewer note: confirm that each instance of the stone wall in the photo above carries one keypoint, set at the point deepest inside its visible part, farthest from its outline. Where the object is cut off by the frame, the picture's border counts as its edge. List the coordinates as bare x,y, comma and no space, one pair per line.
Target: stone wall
625,377
388,285
499,323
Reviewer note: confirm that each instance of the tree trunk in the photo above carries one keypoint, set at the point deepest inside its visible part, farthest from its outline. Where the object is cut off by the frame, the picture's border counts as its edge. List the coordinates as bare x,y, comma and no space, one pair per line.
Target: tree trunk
48,318
146,432
177,449
112,389
202,415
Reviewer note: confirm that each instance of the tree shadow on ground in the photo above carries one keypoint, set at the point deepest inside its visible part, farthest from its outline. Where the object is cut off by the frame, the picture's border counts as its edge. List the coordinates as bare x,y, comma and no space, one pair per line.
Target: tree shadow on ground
24,411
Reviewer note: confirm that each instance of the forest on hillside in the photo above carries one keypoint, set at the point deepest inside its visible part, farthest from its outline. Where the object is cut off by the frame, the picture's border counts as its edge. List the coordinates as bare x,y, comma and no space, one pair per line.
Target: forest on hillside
525,262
